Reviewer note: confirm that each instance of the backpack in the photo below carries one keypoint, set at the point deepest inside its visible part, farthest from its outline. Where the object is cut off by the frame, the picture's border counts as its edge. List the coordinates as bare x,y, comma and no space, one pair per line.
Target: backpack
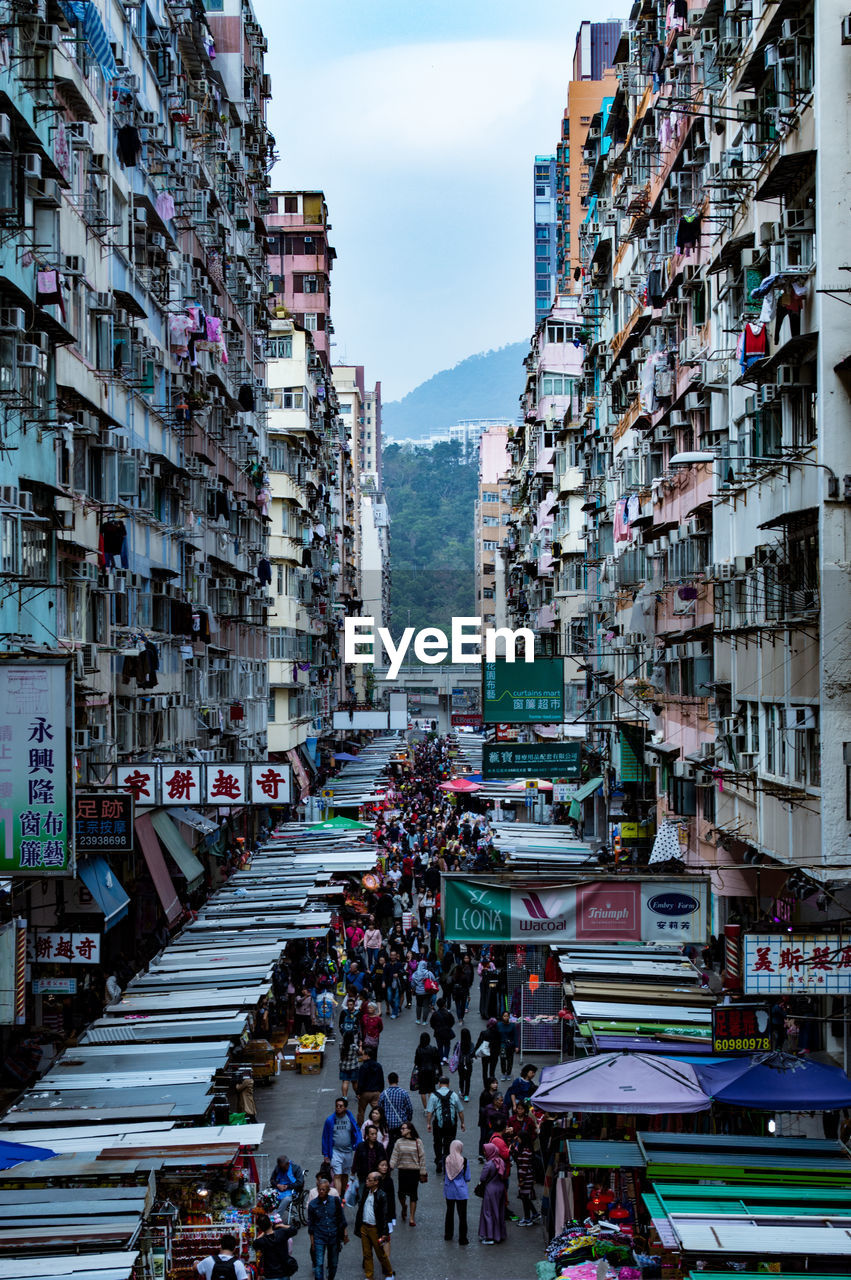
444,1102
223,1268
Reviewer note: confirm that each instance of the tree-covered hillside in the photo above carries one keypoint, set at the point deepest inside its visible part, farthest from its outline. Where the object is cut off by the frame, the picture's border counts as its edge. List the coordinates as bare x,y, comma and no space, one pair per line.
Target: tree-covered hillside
487,385
431,495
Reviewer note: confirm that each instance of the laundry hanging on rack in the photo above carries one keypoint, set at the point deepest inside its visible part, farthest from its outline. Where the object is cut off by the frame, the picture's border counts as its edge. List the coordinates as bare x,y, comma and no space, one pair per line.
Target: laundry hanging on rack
752,344
113,544
264,571
688,232
142,666
48,290
621,531
129,145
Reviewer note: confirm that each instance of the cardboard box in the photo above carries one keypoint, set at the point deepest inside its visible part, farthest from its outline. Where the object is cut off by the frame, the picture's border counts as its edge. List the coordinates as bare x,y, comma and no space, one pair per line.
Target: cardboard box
309,1063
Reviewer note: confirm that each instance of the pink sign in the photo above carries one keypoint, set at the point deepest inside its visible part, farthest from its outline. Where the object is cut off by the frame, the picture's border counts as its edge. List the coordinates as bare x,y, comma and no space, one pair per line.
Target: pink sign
608,911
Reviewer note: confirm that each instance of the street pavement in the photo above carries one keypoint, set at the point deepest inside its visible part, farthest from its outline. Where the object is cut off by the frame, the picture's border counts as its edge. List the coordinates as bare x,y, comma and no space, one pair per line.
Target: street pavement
294,1108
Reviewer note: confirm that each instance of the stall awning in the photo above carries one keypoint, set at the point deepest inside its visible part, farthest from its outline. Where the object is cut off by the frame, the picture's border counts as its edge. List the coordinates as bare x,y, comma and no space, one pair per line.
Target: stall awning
153,855
190,867
100,880
300,772
587,789
197,821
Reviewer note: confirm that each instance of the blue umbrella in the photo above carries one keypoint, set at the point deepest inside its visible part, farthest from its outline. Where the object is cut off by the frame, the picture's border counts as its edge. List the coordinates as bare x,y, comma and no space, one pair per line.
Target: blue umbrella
12,1153
343,755
776,1082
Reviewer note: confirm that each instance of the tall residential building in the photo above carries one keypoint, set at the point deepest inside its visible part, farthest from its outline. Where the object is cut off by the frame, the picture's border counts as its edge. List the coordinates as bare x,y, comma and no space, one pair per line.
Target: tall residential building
313,477
593,79
372,443
133,488
493,509
546,237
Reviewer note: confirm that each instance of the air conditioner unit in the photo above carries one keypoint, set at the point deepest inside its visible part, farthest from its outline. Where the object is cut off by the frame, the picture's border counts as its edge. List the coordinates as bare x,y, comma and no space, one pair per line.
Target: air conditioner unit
679,420
81,739
89,654
803,718
29,357
665,433
97,733
158,241
32,165
789,375
5,131
693,400
795,220
748,761
48,192
102,302
82,134
724,572
47,35
147,119
633,387
13,318
73,265
769,232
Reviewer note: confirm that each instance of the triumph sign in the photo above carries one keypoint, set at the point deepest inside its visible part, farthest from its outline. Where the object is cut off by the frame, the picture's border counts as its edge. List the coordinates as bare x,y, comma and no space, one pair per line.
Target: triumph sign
621,910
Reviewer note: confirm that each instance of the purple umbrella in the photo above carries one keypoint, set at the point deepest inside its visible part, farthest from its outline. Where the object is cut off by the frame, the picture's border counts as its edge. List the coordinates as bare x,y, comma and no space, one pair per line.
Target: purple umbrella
621,1084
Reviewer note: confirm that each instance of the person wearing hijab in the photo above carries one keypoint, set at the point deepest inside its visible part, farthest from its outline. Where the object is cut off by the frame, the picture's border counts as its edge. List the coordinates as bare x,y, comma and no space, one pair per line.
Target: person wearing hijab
456,1191
494,1183
421,974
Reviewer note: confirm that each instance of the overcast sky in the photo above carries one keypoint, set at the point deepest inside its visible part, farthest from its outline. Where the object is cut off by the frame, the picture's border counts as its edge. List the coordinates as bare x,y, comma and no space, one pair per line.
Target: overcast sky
420,120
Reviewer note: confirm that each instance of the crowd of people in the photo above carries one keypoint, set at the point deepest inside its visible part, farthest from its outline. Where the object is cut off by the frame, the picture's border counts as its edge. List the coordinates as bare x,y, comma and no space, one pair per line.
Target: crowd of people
396,964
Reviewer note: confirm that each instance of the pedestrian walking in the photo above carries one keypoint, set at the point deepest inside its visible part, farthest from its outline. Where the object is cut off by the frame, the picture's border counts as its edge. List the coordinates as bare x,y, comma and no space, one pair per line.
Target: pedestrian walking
487,1049
424,985
372,1025
426,1067
507,1043
372,941
225,1259
272,1244
376,1117
349,1045
369,1084
371,1224
326,1226
409,1159
493,1182
305,1016
486,1097
522,1087
459,991
456,1192
395,979
522,1133
443,1115
245,1095
442,1024
396,1104
340,1136
368,1152
465,1063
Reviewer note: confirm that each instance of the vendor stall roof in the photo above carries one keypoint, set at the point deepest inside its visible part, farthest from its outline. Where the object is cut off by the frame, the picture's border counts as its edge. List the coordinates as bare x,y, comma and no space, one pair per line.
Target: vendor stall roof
631,969
598,1010
620,1083
645,994
88,1266
699,1201
775,1240
133,1139
229,1023
583,1154
176,1101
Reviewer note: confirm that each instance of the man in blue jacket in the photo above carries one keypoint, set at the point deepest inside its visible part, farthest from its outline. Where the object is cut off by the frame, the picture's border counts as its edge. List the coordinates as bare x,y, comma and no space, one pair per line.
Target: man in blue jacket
340,1136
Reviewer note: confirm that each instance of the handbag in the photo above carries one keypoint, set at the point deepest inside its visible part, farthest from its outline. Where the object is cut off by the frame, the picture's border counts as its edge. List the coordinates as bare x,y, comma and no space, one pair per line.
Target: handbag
454,1057
291,1266
415,1080
479,1190
483,1051
431,986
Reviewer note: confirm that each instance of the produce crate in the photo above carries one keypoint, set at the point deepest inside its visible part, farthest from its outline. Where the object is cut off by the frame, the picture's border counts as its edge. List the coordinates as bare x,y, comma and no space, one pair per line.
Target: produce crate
309,1063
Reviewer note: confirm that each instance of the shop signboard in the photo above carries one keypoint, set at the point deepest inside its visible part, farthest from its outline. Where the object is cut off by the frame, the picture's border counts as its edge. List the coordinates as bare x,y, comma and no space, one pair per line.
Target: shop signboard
531,759
54,986
466,717
780,964
523,692
240,783
621,910
35,786
741,1028
103,822
66,948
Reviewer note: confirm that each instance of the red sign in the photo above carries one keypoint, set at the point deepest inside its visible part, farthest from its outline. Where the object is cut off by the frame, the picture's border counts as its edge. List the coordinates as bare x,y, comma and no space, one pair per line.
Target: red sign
608,911
506,733
465,717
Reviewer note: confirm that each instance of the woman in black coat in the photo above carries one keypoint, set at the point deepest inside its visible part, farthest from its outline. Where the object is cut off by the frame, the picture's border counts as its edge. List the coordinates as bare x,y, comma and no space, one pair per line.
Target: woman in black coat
427,1064
486,1098
490,1058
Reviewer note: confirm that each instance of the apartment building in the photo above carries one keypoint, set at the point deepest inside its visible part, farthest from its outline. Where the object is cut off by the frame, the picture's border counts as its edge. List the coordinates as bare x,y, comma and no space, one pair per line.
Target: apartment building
593,79
545,228
133,172
493,510
715,443
305,476
372,442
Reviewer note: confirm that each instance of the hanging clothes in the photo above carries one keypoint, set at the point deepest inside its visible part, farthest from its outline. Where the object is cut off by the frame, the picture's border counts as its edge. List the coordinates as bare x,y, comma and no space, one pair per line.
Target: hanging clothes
666,845
655,290
164,206
754,343
264,571
48,290
129,145
221,506
633,507
688,232
621,529
114,542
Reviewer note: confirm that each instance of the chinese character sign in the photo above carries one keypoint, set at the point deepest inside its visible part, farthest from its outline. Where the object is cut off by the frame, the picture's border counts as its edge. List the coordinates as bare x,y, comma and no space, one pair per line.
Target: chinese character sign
104,822
270,784
67,948
523,692
181,784
34,791
538,760
226,784
741,1028
138,781
782,963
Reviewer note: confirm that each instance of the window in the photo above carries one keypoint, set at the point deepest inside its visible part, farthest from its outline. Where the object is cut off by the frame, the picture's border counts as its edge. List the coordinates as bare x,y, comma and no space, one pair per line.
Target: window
270,711
490,546
490,497
290,204
555,384
555,333
279,348
488,593
345,408
540,191
490,520
288,397
311,321
542,233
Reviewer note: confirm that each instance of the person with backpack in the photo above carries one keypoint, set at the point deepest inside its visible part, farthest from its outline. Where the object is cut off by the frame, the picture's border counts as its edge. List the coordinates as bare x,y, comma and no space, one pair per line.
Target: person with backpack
223,1264
326,1225
443,1113
272,1244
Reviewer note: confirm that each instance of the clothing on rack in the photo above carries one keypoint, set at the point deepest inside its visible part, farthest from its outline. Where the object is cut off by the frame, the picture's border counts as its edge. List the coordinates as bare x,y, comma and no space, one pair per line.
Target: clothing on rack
752,344
48,290
688,232
655,289
142,667
621,528
264,571
114,544
164,206
129,145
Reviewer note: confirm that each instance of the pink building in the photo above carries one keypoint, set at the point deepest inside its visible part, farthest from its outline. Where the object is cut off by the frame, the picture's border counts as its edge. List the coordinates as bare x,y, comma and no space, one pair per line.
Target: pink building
300,261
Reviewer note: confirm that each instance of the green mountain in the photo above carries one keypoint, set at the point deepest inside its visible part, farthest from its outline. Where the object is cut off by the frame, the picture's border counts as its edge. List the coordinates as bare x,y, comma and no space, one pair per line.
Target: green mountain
431,495
487,385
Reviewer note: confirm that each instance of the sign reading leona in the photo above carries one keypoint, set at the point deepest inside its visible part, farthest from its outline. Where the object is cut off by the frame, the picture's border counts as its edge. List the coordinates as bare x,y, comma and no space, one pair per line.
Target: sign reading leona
622,910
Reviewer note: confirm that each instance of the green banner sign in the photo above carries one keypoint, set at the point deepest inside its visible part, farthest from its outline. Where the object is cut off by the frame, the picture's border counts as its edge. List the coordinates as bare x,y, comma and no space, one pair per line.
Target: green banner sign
476,912
523,692
531,760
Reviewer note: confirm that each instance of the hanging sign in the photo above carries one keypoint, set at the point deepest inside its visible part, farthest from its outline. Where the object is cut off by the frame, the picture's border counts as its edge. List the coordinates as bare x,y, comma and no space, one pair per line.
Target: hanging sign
103,822
782,963
741,1028
523,692
66,948
211,784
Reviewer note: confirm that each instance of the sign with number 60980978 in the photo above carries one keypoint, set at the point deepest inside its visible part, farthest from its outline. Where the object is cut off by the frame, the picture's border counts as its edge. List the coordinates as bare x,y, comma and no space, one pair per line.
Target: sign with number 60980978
741,1028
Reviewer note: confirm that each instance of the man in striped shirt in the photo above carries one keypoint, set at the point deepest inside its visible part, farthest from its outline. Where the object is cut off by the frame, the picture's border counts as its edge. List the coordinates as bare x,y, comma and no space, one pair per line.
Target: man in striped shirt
397,1107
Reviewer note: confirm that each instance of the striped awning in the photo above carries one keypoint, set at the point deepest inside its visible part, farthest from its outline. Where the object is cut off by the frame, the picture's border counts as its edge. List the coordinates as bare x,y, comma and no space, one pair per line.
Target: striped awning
85,13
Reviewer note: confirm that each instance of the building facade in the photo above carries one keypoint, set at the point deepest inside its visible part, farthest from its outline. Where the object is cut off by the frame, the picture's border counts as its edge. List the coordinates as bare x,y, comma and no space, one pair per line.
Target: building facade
493,509
545,227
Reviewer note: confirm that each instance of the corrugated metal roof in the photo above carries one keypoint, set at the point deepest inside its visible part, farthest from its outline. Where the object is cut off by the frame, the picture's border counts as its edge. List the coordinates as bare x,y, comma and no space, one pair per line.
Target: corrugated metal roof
771,1241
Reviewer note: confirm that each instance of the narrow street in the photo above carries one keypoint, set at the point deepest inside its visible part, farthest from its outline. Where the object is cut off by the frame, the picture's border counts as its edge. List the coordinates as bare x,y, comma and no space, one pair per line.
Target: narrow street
294,1108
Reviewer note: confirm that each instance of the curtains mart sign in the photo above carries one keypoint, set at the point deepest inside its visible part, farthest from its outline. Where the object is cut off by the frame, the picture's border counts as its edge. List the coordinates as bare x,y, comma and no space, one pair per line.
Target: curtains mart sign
598,911
531,760
783,963
210,784
523,693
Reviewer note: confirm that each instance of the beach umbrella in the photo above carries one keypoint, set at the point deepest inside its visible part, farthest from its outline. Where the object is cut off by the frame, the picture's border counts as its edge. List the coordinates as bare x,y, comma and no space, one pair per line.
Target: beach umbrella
339,824
776,1082
344,755
621,1084
459,784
